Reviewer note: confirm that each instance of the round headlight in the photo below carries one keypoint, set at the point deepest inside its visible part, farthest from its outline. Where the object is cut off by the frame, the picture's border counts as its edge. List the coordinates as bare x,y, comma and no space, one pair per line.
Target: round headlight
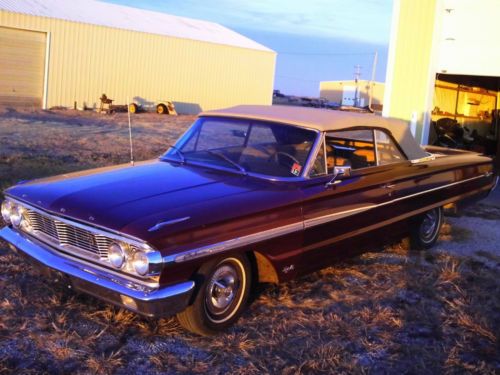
25,223
16,215
140,262
6,211
116,255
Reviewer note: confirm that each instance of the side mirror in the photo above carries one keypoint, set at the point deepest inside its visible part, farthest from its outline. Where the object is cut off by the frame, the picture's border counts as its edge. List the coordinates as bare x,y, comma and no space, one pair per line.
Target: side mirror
337,172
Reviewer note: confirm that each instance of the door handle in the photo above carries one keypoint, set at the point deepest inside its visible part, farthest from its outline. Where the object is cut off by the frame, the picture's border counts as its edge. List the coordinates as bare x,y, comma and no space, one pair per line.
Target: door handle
389,186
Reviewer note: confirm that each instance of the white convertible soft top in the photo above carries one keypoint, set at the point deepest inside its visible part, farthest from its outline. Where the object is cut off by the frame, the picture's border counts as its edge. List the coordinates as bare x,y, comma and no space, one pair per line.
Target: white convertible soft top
326,120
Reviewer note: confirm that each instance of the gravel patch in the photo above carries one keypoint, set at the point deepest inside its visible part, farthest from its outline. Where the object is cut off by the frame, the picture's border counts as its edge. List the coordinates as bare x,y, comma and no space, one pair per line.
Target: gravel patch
474,233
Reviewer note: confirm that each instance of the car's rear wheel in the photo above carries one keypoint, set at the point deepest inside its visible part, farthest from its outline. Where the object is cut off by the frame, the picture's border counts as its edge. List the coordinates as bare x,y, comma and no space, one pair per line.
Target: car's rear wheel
425,229
221,298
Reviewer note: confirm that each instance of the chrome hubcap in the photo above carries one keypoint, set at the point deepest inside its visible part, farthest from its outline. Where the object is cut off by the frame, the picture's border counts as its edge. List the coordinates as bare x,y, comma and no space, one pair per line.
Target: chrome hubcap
429,225
222,289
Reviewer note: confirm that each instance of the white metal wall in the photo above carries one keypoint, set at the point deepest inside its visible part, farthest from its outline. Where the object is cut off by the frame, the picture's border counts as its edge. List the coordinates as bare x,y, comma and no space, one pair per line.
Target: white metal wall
469,40
86,61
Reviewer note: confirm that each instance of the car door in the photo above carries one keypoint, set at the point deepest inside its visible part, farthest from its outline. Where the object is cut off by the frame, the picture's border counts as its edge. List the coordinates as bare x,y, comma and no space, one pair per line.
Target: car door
352,204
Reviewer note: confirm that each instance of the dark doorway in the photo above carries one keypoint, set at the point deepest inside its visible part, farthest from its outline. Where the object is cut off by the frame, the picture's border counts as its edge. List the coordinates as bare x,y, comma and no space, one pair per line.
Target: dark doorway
466,113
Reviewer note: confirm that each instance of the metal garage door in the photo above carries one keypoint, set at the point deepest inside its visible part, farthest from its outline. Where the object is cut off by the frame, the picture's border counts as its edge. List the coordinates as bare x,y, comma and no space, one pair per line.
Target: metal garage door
22,60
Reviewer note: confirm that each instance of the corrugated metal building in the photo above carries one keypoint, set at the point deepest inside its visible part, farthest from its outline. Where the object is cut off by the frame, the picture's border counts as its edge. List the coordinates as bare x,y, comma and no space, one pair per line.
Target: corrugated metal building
442,40
344,92
56,52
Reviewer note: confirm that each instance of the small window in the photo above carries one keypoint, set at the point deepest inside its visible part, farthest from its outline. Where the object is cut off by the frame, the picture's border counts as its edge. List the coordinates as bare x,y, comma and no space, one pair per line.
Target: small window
387,151
353,148
319,166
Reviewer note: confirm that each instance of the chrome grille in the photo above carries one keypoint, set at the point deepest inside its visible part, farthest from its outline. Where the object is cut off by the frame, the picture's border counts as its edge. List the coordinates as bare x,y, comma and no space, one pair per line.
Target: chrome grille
70,236
43,224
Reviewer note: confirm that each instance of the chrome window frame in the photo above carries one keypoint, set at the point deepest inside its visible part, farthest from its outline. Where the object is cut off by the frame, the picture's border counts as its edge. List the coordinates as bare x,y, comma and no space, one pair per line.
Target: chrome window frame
304,173
314,154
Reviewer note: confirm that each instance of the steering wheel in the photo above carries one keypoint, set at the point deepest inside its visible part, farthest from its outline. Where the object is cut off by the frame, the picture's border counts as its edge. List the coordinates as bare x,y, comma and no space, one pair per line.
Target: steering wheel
290,158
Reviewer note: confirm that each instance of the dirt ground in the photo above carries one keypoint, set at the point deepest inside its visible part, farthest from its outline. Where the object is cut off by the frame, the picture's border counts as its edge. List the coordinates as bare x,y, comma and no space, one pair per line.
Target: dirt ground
389,311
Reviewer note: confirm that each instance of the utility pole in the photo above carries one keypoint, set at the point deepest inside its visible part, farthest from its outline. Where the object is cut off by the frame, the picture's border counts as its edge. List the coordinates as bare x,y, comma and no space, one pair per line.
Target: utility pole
374,70
357,75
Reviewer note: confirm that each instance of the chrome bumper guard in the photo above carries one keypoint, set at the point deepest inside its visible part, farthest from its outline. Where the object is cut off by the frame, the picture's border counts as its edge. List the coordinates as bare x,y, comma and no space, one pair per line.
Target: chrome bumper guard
164,301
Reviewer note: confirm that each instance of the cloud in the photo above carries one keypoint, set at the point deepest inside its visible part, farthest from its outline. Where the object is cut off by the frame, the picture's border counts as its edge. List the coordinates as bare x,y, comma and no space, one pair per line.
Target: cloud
364,20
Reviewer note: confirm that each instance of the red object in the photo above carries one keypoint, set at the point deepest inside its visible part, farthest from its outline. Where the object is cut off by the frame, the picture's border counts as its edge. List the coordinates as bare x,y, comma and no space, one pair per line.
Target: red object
296,168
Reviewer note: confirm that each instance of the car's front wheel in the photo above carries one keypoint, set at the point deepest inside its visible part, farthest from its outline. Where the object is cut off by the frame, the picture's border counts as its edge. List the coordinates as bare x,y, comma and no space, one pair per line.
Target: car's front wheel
225,286
425,229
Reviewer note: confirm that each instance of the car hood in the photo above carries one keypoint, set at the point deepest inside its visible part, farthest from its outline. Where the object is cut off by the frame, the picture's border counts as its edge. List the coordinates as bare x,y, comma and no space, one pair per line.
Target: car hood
118,197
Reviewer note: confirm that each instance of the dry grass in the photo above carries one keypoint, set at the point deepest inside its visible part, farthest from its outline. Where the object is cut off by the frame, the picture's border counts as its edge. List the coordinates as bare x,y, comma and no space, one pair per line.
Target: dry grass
44,143
364,315
394,311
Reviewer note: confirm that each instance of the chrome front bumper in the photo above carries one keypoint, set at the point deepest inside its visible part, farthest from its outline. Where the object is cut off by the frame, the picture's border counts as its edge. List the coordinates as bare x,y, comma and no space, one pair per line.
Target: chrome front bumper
159,302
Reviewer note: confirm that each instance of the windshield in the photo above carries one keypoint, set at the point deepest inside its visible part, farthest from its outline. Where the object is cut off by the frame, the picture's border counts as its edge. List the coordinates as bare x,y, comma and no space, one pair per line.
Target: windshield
245,146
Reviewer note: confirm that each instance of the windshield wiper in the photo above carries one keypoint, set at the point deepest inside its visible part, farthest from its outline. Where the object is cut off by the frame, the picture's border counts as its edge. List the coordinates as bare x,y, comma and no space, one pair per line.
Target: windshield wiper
224,157
179,152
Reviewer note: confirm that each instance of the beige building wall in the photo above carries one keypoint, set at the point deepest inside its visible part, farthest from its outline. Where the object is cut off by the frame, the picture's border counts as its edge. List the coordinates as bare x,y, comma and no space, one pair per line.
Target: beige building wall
410,68
85,61
334,90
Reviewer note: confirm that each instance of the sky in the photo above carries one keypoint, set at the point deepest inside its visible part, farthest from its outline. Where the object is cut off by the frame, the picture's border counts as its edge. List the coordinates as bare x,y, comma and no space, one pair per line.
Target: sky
316,40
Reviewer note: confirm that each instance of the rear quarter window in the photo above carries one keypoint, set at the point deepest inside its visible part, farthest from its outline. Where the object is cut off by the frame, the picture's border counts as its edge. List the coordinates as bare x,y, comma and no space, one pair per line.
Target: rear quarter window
352,148
387,150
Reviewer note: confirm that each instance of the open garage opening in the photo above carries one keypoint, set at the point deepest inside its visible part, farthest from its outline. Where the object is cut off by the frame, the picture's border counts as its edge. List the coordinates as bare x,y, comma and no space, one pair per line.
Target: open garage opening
466,113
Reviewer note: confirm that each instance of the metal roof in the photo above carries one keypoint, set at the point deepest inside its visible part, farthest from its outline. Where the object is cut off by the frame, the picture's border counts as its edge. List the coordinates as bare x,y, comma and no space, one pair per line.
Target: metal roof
124,17
326,120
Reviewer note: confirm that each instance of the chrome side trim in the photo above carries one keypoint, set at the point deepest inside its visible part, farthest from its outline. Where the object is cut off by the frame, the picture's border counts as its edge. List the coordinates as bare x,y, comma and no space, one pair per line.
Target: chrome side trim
280,231
336,216
339,215
162,224
430,190
430,157
233,243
